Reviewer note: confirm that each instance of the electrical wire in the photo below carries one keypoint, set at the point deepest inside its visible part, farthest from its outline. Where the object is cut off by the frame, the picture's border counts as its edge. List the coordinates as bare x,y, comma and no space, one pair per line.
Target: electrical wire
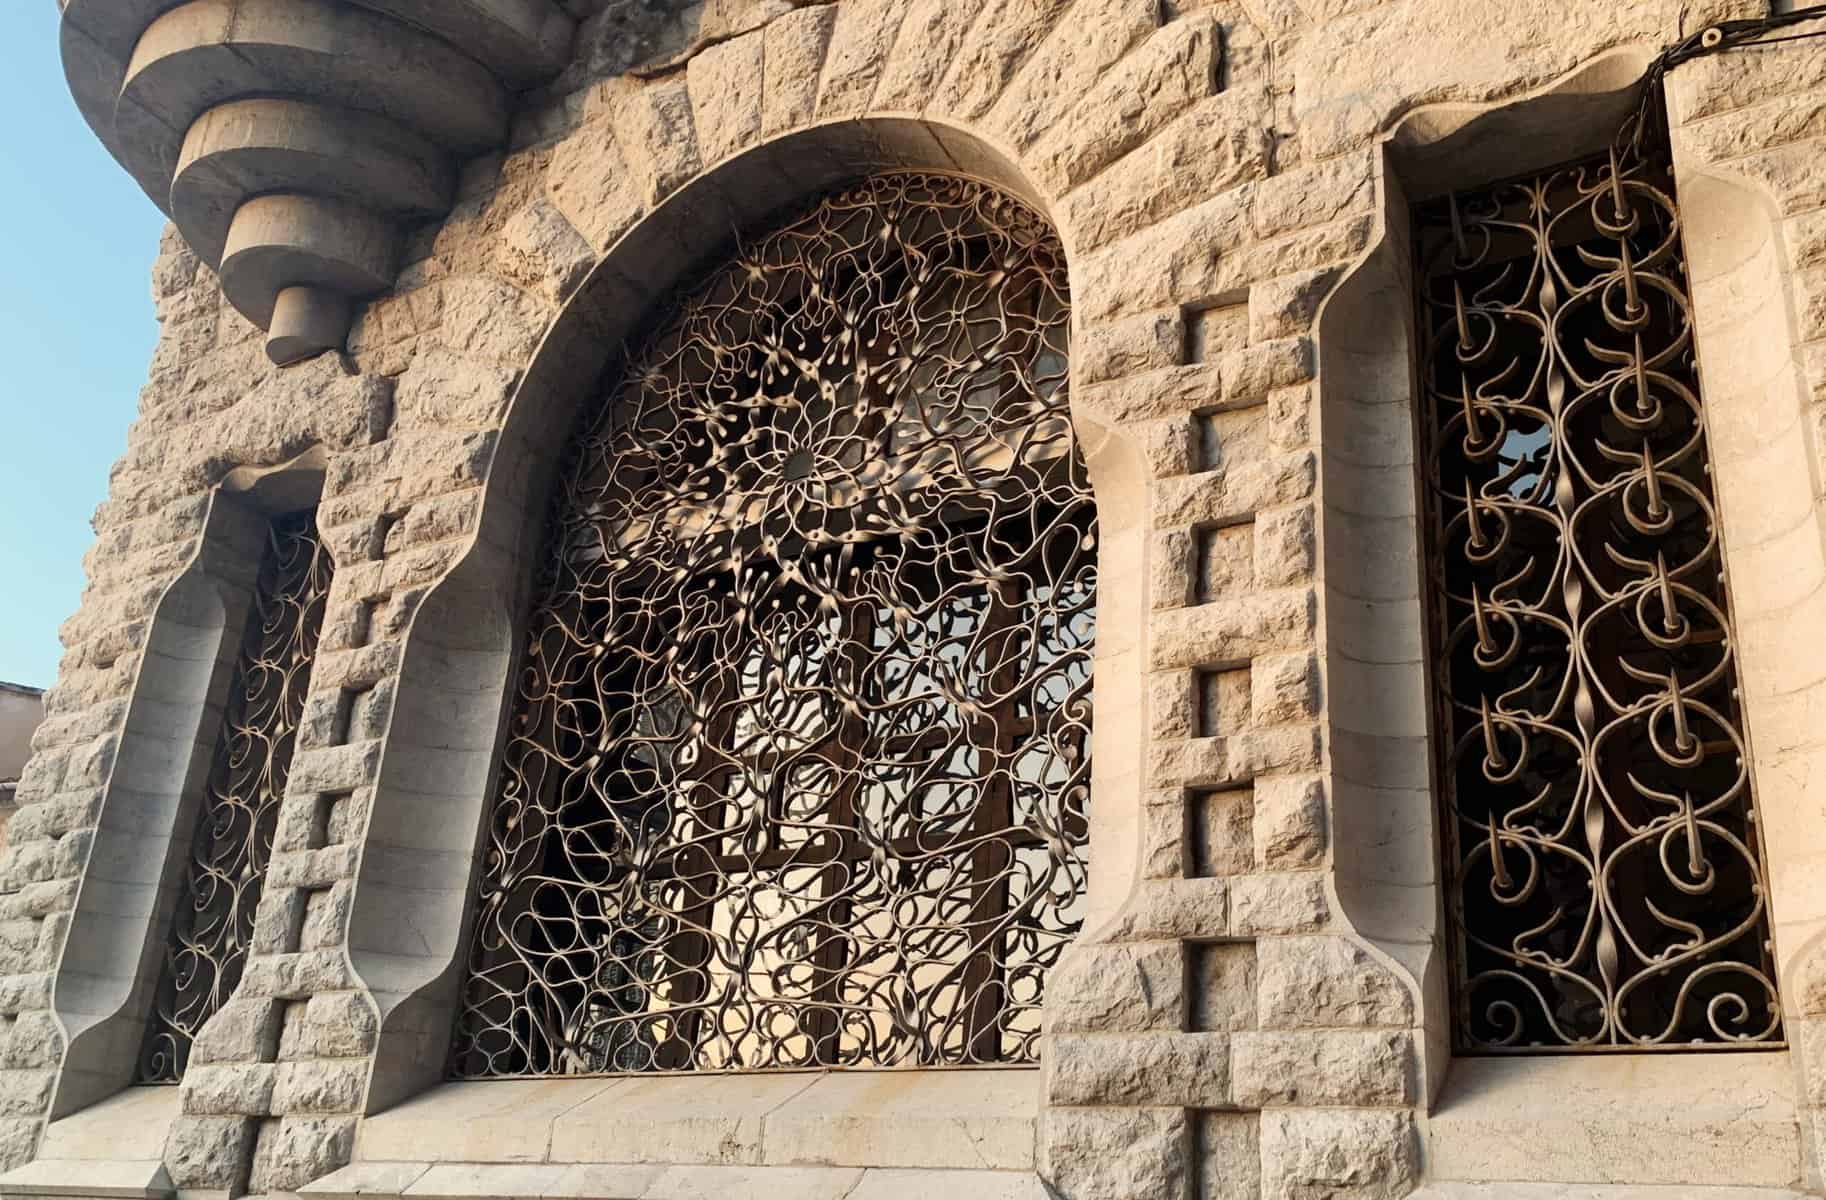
1650,119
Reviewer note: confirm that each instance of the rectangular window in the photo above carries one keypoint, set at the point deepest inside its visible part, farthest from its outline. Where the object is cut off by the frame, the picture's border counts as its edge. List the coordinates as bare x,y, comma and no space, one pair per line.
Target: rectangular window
1604,874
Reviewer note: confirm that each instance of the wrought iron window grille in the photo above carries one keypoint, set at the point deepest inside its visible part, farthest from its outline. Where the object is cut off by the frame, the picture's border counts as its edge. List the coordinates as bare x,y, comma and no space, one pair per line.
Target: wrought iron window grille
214,923
1606,889
799,767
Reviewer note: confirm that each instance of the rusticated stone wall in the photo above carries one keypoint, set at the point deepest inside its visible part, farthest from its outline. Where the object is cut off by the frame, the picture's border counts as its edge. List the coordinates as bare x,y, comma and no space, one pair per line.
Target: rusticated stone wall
1223,1029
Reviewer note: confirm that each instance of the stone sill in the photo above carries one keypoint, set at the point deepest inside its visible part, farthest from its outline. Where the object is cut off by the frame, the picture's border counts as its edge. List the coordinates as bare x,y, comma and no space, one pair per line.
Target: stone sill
647,1181
968,1120
1723,1120
114,1150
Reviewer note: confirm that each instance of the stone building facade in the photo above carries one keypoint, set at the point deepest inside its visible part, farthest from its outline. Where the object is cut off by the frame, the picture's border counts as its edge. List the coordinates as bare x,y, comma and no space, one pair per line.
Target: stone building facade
410,236
21,709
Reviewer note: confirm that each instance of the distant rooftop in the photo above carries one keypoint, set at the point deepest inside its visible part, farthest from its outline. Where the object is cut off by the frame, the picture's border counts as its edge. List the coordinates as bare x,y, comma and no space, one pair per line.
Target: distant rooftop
20,689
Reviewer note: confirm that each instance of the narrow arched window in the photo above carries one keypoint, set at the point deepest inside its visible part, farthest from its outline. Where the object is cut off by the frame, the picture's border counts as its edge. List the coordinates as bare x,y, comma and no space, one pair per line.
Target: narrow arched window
212,929
1605,882
798,772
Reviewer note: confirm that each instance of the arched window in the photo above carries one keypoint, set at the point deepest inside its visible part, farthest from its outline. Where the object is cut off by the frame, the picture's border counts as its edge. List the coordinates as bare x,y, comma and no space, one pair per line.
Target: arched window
1606,889
798,771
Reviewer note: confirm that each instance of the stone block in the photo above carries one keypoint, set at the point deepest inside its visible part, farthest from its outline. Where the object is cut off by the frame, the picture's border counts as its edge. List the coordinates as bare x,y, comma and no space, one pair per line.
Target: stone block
1286,546
1237,491
31,863
1564,1119
23,993
1313,982
1290,822
335,768
244,1030
1129,988
26,1093
209,1153
19,946
1168,446
1219,142
1197,763
1183,259
993,51
792,57
1107,350
72,853
541,251
953,1185
1283,688
319,1087
1222,569
33,1040
1286,305
1170,568
859,44
1255,623
1173,704
1190,1070
313,868
1172,392
444,390
726,86
1333,1154
1164,844
1312,1068
291,1151
1117,1153
1069,66
654,129
1314,195
1284,902
1131,102
237,1090
931,34
1174,908
672,1121
589,182
18,1140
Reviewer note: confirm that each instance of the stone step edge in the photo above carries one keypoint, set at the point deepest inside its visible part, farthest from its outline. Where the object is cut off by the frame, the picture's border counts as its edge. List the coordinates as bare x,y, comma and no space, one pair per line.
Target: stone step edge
658,1181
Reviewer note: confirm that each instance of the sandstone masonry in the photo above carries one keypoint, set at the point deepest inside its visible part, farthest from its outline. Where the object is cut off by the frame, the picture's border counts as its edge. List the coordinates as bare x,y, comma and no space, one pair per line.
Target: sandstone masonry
1256,1007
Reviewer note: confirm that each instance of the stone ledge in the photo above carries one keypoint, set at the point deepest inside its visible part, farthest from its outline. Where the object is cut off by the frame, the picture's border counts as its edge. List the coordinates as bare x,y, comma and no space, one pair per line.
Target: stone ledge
112,1149
923,1120
114,1179
637,1181
1584,1122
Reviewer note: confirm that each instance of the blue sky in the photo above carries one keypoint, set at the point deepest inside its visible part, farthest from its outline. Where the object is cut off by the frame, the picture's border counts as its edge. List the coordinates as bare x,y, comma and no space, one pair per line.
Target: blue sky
76,332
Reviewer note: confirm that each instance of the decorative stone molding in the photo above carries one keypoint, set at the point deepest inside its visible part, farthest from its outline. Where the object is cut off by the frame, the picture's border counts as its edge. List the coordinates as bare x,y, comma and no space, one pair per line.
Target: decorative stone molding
293,141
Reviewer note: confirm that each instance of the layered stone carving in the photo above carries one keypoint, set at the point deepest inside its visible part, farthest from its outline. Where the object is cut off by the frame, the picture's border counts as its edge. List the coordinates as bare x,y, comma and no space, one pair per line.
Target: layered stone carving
293,141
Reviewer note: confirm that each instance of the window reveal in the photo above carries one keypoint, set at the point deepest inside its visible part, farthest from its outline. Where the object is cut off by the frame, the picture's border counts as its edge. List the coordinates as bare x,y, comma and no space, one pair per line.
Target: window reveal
799,771
223,880
1605,884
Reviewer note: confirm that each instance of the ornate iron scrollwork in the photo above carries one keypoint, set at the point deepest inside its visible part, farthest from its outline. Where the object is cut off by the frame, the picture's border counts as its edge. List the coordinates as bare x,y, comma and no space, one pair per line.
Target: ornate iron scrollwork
214,923
799,770
1606,889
